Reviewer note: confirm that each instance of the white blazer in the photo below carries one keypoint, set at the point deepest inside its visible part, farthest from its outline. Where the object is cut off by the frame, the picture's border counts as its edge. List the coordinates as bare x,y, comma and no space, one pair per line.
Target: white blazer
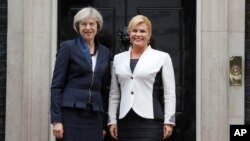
136,90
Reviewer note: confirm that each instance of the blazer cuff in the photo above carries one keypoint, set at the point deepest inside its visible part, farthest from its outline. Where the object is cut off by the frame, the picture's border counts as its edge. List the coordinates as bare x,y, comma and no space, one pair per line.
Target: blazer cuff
170,119
112,122
56,120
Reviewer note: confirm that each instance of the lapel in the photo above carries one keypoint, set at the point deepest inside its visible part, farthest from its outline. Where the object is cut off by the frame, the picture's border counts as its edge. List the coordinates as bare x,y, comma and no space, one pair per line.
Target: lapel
126,61
84,51
141,62
99,58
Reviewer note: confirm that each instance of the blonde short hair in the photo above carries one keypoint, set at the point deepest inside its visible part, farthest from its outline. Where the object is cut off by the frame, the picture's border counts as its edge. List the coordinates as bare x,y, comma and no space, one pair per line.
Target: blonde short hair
138,19
85,13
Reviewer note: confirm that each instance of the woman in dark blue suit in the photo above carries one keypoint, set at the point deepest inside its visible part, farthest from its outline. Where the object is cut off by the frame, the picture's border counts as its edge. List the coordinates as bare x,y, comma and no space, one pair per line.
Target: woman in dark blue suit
78,95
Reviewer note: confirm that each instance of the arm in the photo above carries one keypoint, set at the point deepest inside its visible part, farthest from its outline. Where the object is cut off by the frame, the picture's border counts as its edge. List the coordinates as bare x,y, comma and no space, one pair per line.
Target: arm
169,97
105,94
168,80
114,98
114,101
58,82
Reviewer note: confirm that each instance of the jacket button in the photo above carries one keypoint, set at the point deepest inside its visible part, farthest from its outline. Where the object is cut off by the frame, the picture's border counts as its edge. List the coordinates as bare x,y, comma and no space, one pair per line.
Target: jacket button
131,77
132,92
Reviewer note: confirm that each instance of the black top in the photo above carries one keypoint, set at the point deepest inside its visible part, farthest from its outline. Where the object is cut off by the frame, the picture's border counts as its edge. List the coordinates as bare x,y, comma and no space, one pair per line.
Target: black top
133,63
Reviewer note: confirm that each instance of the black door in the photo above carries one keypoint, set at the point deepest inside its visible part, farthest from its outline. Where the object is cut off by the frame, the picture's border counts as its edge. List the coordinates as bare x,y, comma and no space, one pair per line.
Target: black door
3,65
173,24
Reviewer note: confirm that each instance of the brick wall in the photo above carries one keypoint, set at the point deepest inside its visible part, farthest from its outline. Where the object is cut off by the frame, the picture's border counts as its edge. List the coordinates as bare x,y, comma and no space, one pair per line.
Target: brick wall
3,54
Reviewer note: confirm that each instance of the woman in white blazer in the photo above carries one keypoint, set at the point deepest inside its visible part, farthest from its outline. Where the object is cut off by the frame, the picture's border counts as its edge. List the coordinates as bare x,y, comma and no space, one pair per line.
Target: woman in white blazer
142,96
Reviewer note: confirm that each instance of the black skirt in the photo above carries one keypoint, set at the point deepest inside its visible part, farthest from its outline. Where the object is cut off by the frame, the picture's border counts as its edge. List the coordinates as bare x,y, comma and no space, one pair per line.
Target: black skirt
135,128
81,125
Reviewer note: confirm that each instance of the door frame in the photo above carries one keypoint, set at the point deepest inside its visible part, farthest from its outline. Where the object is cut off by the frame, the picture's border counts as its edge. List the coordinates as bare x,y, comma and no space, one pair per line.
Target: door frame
54,44
198,70
220,30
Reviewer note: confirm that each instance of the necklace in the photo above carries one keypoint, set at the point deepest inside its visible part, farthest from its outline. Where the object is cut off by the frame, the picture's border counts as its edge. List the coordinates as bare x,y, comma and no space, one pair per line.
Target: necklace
93,54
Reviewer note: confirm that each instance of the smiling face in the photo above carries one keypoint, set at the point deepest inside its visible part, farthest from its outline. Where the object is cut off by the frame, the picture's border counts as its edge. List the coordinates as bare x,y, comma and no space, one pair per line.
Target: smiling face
88,28
139,35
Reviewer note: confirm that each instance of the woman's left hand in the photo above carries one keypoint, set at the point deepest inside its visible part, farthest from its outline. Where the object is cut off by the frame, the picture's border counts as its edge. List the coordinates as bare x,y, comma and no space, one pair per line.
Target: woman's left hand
167,131
103,133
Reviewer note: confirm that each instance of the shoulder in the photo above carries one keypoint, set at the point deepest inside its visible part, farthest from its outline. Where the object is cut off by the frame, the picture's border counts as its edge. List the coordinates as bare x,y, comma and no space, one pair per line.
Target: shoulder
160,56
104,48
159,53
67,44
104,51
121,55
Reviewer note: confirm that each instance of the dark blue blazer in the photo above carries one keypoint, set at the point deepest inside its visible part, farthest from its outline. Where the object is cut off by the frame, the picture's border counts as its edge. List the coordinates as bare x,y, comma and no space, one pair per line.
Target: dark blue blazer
74,84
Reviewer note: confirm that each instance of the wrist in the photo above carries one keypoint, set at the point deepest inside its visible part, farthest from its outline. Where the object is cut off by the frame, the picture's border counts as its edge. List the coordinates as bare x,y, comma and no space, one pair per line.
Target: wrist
54,123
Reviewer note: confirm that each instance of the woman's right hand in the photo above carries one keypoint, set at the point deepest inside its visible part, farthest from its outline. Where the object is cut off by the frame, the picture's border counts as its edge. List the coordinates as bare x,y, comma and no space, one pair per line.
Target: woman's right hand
58,130
113,131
